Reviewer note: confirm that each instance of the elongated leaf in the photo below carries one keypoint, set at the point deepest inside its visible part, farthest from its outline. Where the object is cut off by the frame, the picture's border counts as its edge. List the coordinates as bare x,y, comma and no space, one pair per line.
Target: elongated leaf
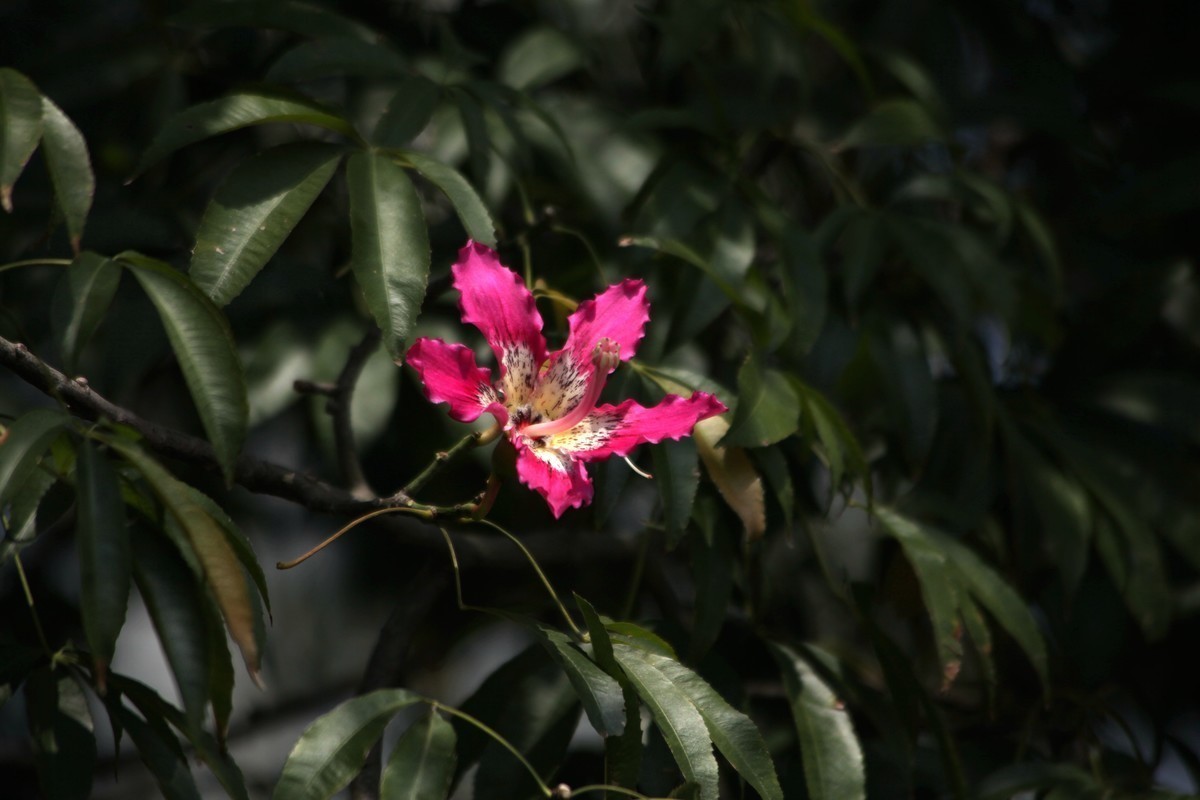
466,201
220,671
325,58
599,693
258,107
64,745
332,749
237,540
894,123
622,753
805,287
391,245
839,445
306,19
172,597
768,409
422,764
714,557
207,355
537,57
673,247
253,211
734,474
222,570
832,756
20,129
162,757
152,706
734,734
408,112
104,554
91,283
677,473
24,443
479,145
70,169
681,724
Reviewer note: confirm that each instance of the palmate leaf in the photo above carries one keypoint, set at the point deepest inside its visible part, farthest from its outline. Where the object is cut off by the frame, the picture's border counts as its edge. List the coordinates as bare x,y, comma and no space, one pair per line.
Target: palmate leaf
408,112
254,211
829,747
104,554
209,547
240,110
204,346
70,169
598,692
466,201
421,766
622,752
20,129
331,751
390,244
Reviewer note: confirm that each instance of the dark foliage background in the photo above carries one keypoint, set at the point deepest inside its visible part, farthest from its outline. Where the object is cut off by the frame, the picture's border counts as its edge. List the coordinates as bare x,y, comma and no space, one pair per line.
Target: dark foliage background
939,257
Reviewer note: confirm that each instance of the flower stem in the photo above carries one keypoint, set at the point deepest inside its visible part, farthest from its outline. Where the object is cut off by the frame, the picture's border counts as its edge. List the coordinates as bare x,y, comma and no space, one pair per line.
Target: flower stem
37,622
471,440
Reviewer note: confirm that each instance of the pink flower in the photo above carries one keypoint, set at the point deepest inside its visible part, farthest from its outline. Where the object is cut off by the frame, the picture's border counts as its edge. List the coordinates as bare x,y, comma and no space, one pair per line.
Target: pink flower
547,402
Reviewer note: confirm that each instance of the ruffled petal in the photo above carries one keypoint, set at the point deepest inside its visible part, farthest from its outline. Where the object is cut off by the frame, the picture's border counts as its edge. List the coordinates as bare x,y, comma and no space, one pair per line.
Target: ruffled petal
616,430
495,300
450,375
561,480
619,313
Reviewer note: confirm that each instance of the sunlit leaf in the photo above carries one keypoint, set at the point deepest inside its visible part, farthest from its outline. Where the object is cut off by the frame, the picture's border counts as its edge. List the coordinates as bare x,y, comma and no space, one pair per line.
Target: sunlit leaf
253,211
240,110
104,553
467,204
391,245
537,57
70,169
599,693
622,752
678,720
831,753
421,766
204,346
20,128
331,751
222,570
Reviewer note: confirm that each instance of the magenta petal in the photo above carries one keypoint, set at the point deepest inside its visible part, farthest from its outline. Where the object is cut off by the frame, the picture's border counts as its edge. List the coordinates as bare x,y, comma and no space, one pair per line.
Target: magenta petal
616,430
568,487
450,375
619,313
495,300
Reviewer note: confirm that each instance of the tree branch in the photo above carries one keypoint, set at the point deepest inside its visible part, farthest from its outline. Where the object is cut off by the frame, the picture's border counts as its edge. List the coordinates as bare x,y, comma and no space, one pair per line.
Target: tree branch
264,477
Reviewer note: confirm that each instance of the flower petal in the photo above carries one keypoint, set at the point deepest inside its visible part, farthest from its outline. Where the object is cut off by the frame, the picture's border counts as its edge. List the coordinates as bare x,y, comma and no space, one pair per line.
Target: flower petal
450,375
560,479
616,430
619,313
495,300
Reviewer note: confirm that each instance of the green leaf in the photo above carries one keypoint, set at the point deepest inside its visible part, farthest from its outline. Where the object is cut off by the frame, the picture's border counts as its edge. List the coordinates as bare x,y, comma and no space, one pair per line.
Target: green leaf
831,753
237,540
70,169
773,465
391,245
734,474
325,58
332,749
104,554
839,445
306,19
253,211
222,570
714,557
538,57
678,249
22,527
218,761
159,751
622,753
173,599
677,473
91,282
408,112
467,204
61,727
220,670
599,693
768,409
479,145
20,129
805,288
204,346
893,123
25,441
240,110
421,766
734,734
681,724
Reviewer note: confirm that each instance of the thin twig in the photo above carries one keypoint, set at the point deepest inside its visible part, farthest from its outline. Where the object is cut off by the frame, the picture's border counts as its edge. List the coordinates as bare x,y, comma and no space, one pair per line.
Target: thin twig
338,407
445,458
